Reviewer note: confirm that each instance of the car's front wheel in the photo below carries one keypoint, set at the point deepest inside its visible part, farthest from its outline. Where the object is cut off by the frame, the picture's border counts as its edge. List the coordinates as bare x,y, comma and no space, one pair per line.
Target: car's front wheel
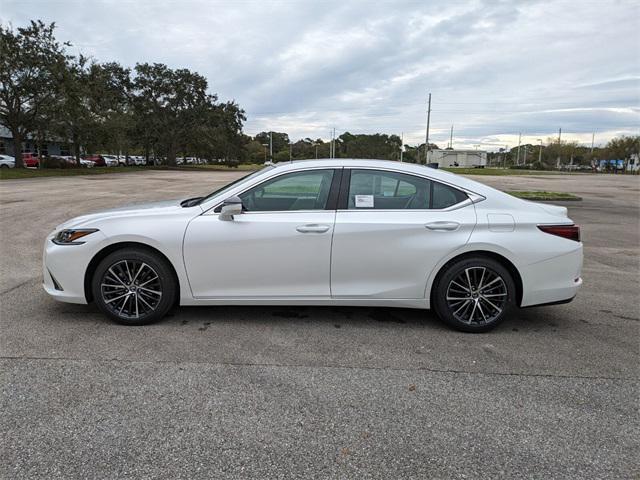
134,286
474,294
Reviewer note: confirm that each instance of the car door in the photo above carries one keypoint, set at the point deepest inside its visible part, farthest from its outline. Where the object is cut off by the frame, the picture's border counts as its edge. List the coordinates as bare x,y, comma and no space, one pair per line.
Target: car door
391,230
279,247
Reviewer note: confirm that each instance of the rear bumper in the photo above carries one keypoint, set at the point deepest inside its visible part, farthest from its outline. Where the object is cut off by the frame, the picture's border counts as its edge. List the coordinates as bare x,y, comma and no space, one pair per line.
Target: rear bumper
549,304
552,281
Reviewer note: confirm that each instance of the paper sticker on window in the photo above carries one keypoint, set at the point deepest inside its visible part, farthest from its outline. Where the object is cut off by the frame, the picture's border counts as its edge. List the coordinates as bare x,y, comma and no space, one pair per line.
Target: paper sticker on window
364,201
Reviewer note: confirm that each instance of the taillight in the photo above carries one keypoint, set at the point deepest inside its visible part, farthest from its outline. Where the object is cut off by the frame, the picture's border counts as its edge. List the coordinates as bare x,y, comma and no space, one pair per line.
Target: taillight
570,232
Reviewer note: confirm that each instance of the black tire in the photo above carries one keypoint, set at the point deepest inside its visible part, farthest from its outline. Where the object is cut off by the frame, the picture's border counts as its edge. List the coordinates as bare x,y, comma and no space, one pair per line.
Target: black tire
124,289
456,301
4,166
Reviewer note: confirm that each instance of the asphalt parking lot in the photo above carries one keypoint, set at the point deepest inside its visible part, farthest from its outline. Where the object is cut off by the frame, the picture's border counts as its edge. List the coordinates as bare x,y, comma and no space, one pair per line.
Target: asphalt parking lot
280,392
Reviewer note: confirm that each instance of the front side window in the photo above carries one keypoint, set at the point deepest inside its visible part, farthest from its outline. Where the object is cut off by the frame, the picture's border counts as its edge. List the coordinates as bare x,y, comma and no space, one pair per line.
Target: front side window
382,190
307,190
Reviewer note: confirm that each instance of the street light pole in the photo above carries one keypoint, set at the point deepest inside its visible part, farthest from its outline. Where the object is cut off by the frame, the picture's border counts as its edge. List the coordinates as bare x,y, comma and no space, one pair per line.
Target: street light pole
271,146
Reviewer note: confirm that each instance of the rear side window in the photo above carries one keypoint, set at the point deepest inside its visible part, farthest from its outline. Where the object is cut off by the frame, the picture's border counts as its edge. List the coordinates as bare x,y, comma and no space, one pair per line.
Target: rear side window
383,190
445,196
387,190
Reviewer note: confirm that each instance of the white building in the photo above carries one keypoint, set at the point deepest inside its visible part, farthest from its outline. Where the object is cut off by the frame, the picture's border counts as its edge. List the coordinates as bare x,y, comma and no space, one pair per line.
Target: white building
458,158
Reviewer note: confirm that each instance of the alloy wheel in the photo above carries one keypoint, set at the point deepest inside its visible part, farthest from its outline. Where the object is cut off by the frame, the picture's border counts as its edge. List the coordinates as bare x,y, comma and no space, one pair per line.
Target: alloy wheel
477,296
131,289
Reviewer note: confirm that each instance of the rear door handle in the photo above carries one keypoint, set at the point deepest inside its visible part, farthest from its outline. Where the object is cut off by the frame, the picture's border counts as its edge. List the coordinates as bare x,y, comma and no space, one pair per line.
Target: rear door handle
312,228
443,226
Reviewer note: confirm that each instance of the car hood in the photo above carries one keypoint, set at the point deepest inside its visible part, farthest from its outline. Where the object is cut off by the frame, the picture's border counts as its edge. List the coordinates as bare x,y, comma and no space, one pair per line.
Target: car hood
153,208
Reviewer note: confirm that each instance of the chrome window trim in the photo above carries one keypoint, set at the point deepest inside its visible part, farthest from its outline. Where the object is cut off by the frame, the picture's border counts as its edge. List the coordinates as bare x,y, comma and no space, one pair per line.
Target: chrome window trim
457,206
210,211
473,196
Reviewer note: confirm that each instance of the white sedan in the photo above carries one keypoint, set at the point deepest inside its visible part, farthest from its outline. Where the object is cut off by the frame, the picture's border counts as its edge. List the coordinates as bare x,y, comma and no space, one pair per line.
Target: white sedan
7,161
323,232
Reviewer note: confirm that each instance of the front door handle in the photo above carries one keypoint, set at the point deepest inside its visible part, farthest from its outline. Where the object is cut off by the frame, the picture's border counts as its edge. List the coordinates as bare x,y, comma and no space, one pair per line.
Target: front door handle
312,228
443,226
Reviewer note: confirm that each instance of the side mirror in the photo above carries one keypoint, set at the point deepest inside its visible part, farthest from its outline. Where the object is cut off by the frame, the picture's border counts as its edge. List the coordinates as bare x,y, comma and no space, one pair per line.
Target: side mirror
230,207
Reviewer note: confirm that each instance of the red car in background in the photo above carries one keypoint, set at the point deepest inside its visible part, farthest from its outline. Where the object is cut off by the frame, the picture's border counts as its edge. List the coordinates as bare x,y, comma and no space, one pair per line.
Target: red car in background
97,159
30,159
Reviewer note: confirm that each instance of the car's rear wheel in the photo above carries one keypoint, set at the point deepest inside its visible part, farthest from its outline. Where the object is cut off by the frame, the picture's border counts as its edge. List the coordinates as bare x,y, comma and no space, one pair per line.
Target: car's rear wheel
134,286
474,294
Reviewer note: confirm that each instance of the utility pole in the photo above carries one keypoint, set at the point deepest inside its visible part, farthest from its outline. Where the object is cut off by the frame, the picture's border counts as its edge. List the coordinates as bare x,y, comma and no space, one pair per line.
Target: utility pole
518,155
271,146
401,145
559,147
593,137
525,155
451,139
426,141
316,151
290,152
540,151
334,142
331,144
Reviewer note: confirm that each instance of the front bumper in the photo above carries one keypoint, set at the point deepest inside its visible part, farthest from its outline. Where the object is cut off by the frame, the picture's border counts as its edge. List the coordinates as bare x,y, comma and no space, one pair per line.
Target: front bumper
64,267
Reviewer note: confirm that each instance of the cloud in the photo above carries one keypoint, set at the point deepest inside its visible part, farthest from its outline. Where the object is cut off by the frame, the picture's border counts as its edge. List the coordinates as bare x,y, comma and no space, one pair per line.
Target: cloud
494,68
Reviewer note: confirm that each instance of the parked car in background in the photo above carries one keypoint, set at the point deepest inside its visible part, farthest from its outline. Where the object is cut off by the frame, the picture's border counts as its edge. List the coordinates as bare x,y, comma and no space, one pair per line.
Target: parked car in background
7,161
323,232
97,160
110,160
30,160
136,160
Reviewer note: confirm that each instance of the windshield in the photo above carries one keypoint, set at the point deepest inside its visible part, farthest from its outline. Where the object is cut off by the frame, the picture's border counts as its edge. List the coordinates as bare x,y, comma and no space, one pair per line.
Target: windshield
232,184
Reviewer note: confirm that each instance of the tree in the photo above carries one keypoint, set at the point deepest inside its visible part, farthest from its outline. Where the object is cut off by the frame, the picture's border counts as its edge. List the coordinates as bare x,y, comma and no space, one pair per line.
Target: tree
378,145
563,151
30,61
171,103
110,97
72,117
280,141
218,134
623,147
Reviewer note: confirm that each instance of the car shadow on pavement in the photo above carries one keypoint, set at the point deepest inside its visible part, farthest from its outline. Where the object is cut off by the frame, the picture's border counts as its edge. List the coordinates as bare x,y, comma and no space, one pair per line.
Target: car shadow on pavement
520,320
337,316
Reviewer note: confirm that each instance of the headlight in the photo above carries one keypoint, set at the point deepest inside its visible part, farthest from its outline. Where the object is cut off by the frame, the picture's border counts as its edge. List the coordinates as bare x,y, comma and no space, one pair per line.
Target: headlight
70,236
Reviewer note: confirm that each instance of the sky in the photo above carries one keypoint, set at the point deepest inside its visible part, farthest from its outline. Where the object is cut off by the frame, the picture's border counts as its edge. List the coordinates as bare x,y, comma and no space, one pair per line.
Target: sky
495,69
